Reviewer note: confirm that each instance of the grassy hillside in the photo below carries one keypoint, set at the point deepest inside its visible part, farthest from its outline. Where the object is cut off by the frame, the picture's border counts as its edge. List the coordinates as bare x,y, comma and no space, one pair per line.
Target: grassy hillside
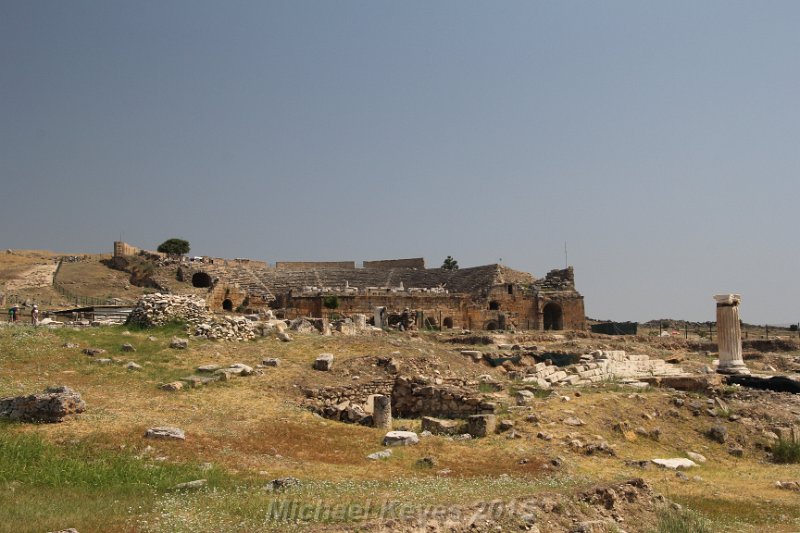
96,472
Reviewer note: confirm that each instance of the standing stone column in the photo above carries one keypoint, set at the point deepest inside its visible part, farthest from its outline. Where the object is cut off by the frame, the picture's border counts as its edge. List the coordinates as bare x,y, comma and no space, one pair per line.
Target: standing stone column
378,314
729,335
382,412
360,321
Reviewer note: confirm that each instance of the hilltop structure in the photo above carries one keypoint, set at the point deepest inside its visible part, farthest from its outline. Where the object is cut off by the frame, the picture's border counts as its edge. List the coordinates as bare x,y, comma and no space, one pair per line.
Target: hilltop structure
486,297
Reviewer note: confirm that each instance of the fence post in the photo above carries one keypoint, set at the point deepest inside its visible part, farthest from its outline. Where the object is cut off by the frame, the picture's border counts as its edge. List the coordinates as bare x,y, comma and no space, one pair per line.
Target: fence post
686,331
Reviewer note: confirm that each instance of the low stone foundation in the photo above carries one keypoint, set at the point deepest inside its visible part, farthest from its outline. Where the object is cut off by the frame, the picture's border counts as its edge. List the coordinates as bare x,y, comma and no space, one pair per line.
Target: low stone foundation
410,398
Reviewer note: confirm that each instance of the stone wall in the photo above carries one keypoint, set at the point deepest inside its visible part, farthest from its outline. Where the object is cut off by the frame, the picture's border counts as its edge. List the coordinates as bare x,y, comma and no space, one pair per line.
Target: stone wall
417,397
411,398
417,262
315,265
122,249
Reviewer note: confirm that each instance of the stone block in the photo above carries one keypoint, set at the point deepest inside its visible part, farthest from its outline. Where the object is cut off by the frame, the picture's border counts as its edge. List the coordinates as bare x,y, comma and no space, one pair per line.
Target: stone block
439,426
400,438
481,425
323,362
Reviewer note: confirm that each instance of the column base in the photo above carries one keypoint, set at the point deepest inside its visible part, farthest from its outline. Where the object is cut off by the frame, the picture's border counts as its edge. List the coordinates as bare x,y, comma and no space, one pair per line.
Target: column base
738,369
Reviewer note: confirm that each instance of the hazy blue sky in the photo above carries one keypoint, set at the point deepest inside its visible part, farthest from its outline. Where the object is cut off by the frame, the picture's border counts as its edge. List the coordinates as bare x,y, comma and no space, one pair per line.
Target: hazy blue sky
658,139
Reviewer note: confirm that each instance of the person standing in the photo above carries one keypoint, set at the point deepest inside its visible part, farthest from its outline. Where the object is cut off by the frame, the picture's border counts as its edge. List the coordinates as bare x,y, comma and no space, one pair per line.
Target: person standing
35,315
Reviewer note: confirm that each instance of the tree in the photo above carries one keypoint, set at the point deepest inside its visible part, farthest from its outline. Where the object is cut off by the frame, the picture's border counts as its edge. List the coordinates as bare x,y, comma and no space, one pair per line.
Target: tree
174,247
450,263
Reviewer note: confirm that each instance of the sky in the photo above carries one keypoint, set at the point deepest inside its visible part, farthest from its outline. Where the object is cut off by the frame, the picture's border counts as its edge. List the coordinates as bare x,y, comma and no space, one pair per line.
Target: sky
657,141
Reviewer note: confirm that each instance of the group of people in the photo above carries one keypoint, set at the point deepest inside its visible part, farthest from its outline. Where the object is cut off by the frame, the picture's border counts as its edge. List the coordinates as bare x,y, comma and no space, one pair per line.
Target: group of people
14,313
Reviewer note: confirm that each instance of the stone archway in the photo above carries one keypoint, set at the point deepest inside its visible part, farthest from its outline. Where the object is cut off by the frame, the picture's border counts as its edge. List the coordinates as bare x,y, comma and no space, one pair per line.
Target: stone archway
448,322
552,317
491,325
494,305
227,304
201,280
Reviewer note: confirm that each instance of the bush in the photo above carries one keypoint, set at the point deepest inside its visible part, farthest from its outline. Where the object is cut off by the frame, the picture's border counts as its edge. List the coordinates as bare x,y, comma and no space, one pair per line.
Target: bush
786,452
331,302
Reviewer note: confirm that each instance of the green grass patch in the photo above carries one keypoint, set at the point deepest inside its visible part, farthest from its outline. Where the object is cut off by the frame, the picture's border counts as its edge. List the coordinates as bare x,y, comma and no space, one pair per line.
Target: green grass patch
47,487
26,458
681,521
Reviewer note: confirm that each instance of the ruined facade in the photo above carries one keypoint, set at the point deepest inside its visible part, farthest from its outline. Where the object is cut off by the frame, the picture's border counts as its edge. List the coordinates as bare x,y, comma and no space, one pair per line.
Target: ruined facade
489,297
483,298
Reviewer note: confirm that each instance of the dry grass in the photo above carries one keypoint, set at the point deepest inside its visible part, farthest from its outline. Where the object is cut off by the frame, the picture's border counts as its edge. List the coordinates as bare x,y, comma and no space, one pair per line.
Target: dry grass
254,430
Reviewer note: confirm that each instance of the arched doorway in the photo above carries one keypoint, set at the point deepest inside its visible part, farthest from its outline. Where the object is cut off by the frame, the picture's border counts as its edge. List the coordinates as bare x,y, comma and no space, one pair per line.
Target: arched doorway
494,305
552,317
448,323
227,304
201,280
491,325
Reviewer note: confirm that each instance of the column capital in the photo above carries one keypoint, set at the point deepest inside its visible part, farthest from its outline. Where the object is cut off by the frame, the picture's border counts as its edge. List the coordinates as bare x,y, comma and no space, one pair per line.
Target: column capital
728,299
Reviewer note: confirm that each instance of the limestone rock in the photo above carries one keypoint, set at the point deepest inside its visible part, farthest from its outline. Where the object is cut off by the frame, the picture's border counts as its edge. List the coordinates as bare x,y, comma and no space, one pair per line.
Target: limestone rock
51,406
165,432
128,347
283,483
400,438
271,361
788,485
384,454
676,463
696,457
718,433
524,397
172,386
284,337
196,484
178,343
133,366
94,351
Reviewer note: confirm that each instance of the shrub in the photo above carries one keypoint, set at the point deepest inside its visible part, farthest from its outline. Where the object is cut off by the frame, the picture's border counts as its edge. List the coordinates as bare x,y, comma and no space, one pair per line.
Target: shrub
331,302
786,452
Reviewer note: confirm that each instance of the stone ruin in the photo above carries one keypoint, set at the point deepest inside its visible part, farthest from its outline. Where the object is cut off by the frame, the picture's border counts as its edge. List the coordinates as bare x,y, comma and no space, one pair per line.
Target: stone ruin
51,406
411,397
597,366
158,309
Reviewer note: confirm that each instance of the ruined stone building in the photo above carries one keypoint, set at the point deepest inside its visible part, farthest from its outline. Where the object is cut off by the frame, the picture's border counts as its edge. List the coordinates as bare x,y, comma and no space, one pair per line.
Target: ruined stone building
479,298
485,297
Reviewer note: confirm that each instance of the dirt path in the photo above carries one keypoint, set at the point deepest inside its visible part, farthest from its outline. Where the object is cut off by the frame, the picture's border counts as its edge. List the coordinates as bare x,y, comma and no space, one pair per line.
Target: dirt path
35,277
